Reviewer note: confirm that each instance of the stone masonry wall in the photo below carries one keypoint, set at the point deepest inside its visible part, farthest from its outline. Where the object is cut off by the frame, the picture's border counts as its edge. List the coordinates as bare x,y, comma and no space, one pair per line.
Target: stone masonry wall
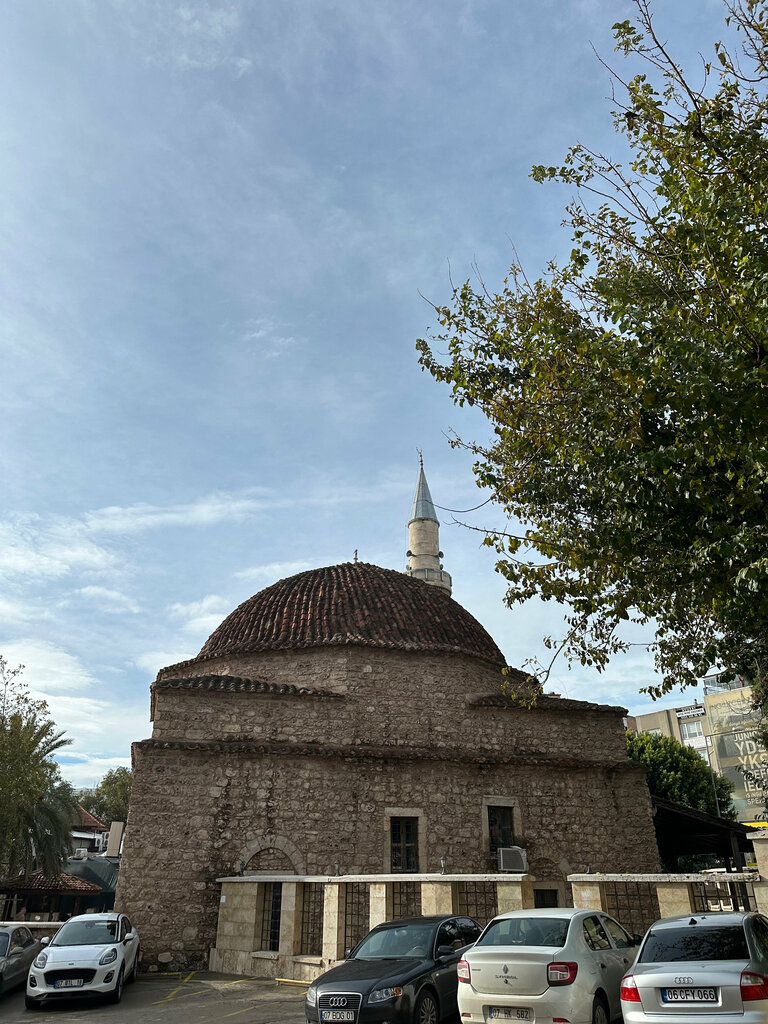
381,698
203,814
229,774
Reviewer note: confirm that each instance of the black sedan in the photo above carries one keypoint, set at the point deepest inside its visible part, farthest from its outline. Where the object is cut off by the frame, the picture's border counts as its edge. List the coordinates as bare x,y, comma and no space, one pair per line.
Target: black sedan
403,972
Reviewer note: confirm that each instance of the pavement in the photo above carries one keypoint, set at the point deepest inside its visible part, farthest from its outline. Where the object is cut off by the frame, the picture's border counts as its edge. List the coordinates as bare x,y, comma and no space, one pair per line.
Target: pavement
197,997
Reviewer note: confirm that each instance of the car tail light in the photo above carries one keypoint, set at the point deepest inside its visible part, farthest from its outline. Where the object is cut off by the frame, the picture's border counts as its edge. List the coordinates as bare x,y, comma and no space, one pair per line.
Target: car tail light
629,991
562,973
462,971
753,986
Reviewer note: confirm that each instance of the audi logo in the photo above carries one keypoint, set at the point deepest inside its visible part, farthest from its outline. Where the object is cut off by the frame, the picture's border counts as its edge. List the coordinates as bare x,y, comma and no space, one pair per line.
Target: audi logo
336,1001
683,981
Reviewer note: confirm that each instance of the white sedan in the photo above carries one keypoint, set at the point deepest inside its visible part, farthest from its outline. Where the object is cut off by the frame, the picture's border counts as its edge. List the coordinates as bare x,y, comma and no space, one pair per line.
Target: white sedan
552,966
93,954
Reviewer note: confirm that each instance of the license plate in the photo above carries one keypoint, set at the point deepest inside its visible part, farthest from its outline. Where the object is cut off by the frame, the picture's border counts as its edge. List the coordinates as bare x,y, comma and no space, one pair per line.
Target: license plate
509,1013
68,983
337,1015
689,995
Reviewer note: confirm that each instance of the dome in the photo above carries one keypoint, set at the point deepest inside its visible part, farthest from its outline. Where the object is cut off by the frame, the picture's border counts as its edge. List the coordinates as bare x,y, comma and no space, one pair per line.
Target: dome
353,603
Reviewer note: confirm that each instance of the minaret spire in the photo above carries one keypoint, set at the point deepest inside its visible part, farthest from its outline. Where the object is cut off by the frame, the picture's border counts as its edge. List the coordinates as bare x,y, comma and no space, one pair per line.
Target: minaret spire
424,555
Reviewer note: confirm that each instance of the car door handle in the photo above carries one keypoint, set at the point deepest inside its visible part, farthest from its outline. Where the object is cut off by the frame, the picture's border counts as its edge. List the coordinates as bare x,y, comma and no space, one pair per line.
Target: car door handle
626,960
602,967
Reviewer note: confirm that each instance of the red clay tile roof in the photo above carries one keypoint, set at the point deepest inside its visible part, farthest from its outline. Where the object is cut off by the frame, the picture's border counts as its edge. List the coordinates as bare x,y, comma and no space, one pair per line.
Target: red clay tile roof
237,684
353,603
88,820
543,702
37,882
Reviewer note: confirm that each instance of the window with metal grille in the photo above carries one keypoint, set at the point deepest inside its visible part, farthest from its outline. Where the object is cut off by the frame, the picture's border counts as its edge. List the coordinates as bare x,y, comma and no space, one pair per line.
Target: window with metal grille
478,900
406,899
501,827
357,913
545,897
635,904
404,844
270,916
311,943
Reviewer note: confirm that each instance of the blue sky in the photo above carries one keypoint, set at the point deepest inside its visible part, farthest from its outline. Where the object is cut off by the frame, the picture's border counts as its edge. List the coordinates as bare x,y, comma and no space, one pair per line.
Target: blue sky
216,222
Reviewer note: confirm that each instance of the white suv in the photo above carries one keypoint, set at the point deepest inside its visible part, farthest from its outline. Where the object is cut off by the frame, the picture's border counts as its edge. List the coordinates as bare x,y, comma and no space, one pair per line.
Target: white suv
90,955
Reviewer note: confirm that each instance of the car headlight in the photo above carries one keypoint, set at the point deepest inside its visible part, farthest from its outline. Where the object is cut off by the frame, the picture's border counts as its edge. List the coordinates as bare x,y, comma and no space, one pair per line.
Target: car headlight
311,996
40,960
379,995
109,957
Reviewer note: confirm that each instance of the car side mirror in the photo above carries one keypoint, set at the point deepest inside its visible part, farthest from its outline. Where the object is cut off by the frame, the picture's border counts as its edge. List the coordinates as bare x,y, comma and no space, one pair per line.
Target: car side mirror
347,953
445,951
45,940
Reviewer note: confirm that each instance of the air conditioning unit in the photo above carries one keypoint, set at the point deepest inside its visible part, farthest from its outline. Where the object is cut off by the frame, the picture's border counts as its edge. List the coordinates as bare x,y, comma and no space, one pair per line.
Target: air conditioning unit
512,858
81,852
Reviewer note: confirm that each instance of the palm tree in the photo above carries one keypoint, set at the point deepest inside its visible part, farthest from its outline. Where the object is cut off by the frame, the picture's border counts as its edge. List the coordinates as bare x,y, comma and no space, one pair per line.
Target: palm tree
36,807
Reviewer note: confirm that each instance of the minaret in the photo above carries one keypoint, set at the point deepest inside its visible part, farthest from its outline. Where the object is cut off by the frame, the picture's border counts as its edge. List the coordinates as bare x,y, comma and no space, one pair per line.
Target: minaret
424,556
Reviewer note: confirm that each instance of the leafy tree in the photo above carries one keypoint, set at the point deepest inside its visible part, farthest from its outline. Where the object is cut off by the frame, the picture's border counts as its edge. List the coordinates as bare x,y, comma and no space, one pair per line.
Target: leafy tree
109,800
678,773
627,388
36,806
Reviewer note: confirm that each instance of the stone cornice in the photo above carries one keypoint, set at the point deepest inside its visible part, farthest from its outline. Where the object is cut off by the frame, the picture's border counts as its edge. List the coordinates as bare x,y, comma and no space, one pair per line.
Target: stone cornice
239,684
366,753
543,702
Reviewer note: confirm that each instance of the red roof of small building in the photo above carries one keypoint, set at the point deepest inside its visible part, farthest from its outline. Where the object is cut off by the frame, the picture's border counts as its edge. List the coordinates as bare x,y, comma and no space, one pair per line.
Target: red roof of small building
88,820
37,882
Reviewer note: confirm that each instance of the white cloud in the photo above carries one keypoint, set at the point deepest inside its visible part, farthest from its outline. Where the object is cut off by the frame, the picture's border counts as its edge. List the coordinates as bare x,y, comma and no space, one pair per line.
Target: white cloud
273,571
201,616
111,601
152,661
97,723
206,511
33,547
267,336
14,612
48,670
196,35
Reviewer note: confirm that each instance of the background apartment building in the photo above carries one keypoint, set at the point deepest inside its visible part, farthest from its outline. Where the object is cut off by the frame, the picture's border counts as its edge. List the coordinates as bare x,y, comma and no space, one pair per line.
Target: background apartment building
722,728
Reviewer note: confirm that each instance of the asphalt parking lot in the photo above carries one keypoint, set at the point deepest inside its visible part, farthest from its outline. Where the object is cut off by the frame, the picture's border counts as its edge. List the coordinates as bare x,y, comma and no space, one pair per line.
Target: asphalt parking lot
199,997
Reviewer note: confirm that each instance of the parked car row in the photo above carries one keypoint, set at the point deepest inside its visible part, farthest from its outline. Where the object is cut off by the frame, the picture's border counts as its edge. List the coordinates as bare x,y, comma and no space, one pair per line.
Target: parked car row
551,966
90,955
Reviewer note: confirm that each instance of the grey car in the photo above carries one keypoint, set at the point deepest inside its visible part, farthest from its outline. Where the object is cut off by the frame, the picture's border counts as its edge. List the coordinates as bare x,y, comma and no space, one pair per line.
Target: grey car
699,968
18,948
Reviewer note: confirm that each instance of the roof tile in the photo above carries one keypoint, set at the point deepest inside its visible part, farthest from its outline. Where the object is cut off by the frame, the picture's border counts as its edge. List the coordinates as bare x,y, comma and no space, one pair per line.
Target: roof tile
352,603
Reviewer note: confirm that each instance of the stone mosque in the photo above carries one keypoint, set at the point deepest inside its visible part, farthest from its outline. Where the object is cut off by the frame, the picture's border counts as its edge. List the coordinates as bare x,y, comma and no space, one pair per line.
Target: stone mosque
354,720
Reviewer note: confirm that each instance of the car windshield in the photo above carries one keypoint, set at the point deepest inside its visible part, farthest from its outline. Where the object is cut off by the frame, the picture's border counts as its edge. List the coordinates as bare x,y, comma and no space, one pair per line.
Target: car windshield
3,944
694,942
86,933
408,940
525,931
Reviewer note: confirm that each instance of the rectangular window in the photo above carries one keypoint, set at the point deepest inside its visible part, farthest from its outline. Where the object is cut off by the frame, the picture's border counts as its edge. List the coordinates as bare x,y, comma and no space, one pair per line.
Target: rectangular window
404,844
270,917
501,831
311,942
690,730
544,898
